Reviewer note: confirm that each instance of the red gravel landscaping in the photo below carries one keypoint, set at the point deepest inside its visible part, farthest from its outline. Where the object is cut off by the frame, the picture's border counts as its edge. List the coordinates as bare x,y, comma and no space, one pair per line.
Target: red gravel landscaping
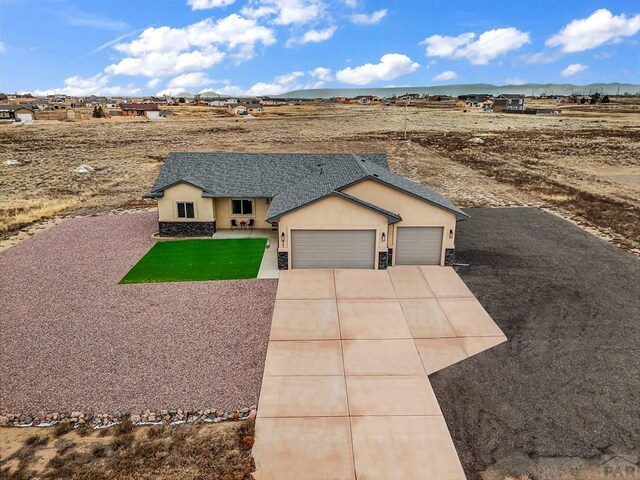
71,338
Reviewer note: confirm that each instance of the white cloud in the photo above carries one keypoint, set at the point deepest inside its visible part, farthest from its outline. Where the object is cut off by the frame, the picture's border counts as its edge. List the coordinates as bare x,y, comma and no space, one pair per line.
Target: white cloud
96,85
154,83
189,80
279,85
514,81
391,65
2,47
573,69
446,75
313,36
158,64
540,57
207,4
591,32
368,19
91,20
489,45
162,51
321,73
351,3
287,12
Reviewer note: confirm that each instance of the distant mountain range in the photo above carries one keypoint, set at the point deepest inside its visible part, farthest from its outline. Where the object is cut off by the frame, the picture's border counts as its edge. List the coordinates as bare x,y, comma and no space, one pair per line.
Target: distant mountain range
535,89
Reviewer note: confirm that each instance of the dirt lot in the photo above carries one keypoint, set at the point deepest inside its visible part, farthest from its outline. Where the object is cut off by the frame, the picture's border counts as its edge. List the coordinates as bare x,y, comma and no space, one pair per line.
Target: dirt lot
73,339
562,393
584,163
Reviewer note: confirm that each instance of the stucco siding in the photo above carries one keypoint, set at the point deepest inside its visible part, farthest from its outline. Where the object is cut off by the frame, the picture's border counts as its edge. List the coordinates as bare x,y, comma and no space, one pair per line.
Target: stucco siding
331,213
414,212
183,192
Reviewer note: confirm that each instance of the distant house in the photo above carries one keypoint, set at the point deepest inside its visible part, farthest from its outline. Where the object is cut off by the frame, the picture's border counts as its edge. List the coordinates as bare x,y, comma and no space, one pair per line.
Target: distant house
253,107
237,109
507,102
16,113
366,99
150,110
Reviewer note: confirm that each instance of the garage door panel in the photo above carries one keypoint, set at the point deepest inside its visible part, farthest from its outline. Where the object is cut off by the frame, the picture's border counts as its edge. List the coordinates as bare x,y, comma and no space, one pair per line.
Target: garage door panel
333,248
419,245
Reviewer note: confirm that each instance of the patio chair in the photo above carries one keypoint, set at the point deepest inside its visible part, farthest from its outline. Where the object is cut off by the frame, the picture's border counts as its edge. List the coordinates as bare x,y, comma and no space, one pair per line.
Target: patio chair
250,224
234,223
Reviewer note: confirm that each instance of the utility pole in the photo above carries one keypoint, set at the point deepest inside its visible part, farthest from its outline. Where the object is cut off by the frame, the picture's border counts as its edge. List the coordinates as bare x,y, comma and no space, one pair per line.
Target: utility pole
406,108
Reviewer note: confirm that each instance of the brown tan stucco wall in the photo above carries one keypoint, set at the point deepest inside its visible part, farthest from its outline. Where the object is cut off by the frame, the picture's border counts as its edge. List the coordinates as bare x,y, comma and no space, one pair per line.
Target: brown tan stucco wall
332,213
183,192
414,212
224,215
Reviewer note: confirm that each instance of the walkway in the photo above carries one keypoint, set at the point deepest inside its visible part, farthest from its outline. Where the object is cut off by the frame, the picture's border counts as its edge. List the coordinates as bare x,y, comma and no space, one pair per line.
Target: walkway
345,393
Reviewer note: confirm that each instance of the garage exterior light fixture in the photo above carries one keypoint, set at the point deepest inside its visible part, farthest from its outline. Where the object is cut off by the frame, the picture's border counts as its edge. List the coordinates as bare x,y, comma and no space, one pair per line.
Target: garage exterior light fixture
282,236
450,233
384,237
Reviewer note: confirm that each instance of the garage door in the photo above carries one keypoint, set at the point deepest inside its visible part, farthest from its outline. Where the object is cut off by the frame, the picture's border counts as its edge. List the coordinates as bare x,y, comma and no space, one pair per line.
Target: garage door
333,248
419,245
25,117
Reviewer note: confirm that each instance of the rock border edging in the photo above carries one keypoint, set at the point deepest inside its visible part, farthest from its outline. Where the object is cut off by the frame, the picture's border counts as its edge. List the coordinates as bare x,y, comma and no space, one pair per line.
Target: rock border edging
102,420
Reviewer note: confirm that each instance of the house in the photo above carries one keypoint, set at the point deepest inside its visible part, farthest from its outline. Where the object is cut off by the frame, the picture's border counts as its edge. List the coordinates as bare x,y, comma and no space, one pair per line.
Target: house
329,210
366,99
507,102
237,109
16,113
150,110
253,107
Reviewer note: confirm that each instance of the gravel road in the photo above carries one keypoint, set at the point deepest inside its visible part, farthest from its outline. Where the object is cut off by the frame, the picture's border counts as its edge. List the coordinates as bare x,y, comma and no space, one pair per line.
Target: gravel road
563,391
71,338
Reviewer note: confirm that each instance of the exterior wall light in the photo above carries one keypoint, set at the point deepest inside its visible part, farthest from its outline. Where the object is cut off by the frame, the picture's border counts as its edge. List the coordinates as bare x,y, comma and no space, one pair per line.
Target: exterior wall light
282,236
384,237
450,233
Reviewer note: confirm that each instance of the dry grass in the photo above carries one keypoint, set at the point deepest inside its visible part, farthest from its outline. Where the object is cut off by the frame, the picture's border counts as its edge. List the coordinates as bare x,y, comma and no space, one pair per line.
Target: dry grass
22,212
583,163
220,452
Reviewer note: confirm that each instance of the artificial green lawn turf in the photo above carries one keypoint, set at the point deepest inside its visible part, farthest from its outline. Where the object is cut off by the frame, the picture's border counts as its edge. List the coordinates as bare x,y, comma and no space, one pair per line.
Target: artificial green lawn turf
202,259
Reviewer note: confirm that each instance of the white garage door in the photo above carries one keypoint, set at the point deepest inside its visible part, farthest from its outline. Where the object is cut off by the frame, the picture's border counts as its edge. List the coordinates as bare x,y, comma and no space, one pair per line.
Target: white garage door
25,117
419,245
333,248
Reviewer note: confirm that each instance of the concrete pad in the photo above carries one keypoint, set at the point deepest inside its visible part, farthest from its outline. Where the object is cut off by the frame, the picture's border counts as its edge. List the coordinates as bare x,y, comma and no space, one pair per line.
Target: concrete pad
391,395
372,319
409,282
314,448
305,320
317,357
363,284
306,284
475,345
412,448
439,353
381,357
445,282
468,318
426,319
308,396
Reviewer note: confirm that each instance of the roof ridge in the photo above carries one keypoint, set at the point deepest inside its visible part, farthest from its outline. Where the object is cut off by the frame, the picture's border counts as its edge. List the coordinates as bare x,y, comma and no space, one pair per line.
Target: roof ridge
360,162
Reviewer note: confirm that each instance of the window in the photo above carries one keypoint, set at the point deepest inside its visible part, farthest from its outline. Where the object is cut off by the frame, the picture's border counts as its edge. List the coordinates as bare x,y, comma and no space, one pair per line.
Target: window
241,207
185,210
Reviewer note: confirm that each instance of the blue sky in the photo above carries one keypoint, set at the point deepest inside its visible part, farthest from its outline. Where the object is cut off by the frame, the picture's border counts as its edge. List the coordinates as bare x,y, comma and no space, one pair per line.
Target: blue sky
114,47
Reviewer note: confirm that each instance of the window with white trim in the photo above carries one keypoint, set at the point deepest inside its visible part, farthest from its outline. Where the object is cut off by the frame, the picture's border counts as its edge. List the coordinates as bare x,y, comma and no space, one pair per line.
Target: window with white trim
241,206
185,210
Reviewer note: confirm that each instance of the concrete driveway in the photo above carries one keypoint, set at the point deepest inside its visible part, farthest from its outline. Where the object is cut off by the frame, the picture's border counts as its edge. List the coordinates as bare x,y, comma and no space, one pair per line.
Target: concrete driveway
345,392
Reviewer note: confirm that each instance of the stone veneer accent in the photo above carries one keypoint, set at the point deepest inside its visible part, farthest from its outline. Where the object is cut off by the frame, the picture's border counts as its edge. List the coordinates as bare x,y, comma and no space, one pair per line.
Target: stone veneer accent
449,254
186,229
283,260
383,260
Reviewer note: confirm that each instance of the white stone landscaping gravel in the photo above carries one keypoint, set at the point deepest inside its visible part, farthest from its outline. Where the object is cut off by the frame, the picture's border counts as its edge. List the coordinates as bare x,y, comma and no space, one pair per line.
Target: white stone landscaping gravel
71,338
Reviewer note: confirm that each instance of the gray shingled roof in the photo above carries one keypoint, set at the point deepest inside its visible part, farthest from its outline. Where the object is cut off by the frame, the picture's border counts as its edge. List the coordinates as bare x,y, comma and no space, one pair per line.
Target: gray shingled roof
291,180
